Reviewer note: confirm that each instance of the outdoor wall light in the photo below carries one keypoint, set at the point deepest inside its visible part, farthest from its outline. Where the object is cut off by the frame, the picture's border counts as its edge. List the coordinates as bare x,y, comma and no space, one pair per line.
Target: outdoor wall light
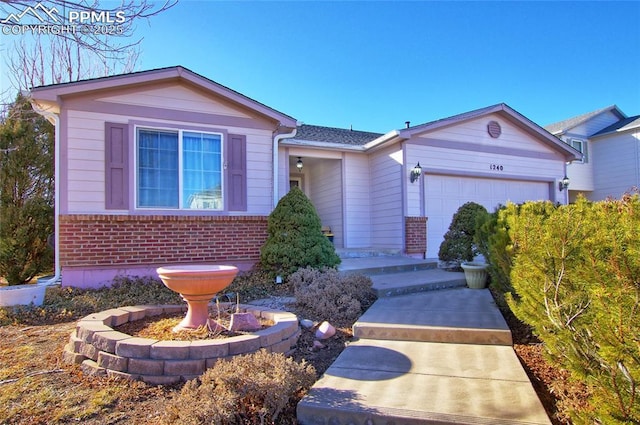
416,172
299,164
563,184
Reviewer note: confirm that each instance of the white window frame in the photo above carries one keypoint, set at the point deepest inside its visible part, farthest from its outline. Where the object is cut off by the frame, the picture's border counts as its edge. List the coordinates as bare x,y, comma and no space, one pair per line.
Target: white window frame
583,149
180,132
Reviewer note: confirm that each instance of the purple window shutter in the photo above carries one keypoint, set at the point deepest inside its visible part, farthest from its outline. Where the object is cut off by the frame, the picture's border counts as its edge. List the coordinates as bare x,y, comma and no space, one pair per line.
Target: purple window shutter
237,172
116,166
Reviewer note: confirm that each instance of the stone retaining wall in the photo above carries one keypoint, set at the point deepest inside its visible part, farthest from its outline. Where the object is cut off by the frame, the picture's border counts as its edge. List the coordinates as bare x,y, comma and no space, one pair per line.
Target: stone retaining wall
101,350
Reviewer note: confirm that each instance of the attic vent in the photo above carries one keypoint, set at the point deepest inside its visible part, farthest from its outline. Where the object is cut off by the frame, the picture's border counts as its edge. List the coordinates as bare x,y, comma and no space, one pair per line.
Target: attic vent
494,130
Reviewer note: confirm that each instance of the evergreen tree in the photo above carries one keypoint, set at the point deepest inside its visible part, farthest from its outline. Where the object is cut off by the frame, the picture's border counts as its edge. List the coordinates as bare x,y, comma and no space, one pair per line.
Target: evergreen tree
458,244
575,277
26,193
295,237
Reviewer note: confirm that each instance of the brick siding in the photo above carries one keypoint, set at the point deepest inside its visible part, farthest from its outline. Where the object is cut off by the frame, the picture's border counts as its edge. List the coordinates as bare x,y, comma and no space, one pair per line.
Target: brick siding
115,240
415,235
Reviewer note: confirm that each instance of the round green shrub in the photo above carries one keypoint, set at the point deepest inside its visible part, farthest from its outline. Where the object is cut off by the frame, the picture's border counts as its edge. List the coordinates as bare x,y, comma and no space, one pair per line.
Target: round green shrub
295,237
458,244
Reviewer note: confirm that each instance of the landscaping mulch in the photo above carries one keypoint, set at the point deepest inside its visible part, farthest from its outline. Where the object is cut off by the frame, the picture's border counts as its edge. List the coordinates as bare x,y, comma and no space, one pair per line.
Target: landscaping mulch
160,327
37,388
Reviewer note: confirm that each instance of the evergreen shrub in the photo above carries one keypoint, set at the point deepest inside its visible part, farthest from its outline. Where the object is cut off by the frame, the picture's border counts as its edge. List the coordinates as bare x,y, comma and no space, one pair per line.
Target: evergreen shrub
458,244
576,281
26,193
494,243
295,237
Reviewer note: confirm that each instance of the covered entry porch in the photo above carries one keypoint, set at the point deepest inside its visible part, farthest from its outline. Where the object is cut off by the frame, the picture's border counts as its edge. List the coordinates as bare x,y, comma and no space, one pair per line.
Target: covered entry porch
320,177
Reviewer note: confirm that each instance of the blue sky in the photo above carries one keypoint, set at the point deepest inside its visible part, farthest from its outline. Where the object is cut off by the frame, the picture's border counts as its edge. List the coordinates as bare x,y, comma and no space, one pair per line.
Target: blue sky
375,65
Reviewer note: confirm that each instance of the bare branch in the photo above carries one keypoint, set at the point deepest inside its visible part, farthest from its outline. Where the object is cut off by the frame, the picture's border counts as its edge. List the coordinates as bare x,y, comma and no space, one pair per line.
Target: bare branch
47,58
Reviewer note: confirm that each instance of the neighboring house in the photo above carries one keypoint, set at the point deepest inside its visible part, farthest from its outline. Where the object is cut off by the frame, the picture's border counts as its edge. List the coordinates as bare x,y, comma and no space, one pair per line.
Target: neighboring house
610,143
166,166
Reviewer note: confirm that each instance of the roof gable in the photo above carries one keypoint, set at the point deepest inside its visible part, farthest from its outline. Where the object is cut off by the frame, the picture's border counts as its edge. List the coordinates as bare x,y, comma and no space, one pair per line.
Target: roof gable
627,124
564,126
145,79
503,111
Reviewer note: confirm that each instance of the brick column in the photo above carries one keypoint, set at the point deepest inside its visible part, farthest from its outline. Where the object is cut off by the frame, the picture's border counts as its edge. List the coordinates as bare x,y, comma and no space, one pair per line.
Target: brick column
415,235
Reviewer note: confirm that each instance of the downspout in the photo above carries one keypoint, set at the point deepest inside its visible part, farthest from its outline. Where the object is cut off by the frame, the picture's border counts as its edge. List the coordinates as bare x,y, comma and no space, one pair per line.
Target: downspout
276,143
54,119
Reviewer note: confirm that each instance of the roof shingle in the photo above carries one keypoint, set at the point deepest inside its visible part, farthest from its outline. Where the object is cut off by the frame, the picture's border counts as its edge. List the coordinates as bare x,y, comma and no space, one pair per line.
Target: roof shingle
316,133
562,126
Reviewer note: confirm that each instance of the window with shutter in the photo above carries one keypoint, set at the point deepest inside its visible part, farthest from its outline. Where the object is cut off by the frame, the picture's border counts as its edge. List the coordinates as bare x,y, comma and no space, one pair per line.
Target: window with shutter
116,166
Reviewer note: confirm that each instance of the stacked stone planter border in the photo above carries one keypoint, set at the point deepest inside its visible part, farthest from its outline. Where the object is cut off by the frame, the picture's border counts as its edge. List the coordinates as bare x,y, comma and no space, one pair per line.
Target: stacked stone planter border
101,350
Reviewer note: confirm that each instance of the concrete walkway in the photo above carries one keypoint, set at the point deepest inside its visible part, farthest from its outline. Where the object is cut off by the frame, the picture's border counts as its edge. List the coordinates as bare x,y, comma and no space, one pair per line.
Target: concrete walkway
436,357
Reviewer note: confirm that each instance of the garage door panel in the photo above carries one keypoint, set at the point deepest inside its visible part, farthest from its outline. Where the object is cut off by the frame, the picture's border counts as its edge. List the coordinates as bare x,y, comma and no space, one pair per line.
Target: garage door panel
445,194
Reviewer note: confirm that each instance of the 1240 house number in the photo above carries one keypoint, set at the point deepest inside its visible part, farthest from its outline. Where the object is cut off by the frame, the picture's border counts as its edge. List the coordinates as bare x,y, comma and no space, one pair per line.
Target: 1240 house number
496,167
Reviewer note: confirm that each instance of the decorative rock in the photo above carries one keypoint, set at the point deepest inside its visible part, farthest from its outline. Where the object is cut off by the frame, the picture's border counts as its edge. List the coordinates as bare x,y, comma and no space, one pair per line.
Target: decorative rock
306,323
325,331
244,322
317,345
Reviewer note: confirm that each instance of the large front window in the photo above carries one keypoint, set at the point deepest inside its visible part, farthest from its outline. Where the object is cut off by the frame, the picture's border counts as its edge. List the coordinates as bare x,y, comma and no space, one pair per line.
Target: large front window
179,169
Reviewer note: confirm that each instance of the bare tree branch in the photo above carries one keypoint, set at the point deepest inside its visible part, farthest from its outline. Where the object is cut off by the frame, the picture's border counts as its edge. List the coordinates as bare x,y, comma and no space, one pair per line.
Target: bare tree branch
92,40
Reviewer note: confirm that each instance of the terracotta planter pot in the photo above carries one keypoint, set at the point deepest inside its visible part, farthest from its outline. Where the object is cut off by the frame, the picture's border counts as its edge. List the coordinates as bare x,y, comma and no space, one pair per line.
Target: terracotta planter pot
475,274
197,284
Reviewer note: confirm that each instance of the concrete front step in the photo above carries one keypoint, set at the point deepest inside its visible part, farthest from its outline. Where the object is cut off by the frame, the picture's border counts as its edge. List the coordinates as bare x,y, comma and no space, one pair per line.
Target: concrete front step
401,382
367,252
371,266
408,282
463,315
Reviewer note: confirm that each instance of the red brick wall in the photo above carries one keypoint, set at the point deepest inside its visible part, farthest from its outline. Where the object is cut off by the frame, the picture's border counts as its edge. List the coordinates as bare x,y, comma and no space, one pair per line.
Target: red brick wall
115,240
415,235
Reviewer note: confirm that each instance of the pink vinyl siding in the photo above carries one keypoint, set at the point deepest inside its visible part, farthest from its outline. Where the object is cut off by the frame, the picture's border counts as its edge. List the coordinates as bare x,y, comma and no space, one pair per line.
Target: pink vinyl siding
475,132
84,163
179,97
325,179
616,165
386,199
357,202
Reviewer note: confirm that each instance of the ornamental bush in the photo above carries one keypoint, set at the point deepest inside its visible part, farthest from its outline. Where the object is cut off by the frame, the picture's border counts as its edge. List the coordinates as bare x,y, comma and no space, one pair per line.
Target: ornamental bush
295,237
458,244
26,193
328,295
250,389
576,281
494,243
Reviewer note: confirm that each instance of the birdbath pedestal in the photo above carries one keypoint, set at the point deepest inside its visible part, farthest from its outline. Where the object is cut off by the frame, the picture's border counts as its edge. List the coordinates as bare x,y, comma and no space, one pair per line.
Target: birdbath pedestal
197,285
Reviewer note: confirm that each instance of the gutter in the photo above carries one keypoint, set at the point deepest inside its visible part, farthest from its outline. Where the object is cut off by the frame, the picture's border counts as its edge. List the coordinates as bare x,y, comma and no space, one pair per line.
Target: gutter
276,143
54,119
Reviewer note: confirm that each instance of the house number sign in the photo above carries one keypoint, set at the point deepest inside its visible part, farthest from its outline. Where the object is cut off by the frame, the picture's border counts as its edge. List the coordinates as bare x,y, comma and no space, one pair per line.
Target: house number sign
496,167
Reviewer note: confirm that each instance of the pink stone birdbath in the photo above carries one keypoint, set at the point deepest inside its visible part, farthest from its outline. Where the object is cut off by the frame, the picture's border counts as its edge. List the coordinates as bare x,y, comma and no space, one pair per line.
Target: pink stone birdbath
197,284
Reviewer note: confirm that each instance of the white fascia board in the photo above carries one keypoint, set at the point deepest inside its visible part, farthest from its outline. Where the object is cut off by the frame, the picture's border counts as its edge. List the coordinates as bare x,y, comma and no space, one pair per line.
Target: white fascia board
322,145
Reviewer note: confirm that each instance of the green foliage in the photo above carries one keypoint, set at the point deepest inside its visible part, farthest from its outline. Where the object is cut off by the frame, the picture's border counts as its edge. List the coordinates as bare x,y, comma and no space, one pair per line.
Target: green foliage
295,237
250,389
575,278
458,244
494,242
329,295
26,193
